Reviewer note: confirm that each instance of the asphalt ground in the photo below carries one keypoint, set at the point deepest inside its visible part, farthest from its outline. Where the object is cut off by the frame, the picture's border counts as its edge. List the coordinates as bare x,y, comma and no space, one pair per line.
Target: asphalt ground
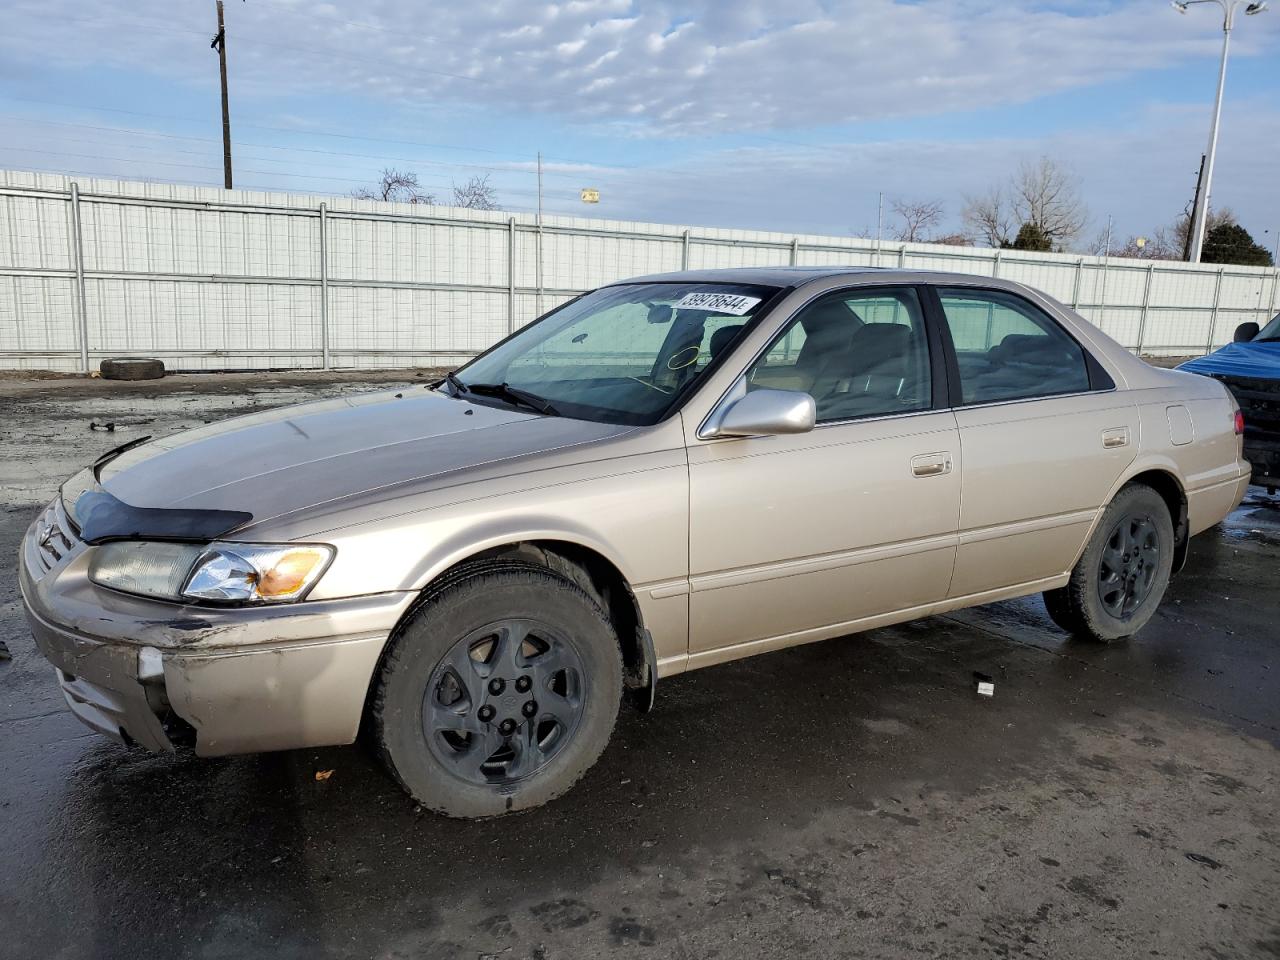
854,798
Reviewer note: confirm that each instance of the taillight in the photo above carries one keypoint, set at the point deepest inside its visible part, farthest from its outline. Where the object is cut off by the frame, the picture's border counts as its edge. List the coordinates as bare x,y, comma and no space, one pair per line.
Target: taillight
1239,422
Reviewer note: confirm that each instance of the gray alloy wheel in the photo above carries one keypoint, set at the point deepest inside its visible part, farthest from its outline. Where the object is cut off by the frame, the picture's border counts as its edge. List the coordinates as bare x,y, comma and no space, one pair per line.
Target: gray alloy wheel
503,701
498,692
1119,580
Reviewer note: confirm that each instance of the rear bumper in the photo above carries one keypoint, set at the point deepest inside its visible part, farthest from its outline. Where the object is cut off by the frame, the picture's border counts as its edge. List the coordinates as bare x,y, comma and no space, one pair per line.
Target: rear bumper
242,680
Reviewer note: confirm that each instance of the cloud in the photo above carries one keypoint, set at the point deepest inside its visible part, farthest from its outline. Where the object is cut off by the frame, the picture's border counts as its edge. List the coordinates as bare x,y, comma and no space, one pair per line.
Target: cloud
690,72
649,67
1142,176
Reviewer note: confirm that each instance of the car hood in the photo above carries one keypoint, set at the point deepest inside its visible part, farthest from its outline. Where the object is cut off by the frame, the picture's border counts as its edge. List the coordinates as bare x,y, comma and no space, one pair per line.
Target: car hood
291,458
1249,359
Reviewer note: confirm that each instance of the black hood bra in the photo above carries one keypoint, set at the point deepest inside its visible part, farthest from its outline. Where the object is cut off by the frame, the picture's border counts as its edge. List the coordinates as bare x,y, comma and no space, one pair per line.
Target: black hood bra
102,517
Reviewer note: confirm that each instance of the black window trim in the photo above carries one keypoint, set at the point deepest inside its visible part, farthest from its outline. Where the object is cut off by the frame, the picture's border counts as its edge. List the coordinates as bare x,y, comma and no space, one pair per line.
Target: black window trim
1099,380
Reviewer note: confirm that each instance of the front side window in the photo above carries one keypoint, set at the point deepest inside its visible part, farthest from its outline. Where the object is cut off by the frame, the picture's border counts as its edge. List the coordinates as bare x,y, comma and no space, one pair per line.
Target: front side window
1008,349
622,354
859,353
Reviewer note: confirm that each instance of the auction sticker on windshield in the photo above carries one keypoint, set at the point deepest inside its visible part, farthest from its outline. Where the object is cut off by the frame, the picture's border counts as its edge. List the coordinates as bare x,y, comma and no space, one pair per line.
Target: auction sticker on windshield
730,303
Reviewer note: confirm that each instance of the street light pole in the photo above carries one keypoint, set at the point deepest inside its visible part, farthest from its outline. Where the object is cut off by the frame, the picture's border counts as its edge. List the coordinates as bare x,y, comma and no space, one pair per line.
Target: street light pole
1200,215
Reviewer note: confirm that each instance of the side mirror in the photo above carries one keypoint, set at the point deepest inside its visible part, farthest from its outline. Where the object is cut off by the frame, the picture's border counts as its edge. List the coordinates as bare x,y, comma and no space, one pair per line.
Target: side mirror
1245,332
765,413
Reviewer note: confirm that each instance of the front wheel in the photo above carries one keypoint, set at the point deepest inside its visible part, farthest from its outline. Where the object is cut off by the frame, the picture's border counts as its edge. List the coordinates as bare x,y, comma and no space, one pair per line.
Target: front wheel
1122,575
498,692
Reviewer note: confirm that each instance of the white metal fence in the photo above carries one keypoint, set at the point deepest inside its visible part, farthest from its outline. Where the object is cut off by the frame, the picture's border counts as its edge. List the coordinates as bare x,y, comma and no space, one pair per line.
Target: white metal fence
206,278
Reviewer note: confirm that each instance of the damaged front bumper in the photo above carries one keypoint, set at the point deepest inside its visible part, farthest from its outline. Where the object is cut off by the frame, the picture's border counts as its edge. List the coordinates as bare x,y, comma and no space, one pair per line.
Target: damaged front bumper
236,680
1259,400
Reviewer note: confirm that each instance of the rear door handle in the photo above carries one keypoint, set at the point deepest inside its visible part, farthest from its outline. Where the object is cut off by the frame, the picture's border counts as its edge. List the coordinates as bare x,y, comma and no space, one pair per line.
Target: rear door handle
1115,437
931,464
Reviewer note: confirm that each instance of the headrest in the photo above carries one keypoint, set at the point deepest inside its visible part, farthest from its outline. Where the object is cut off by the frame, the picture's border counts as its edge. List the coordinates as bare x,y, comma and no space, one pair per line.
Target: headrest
1030,347
722,338
875,342
828,319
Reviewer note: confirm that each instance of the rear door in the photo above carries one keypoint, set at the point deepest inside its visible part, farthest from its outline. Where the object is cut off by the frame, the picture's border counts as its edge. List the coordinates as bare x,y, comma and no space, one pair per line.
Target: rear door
1045,437
793,537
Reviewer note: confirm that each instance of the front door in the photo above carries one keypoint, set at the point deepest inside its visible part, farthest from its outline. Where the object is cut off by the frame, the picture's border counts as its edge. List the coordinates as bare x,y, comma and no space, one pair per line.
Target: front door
799,537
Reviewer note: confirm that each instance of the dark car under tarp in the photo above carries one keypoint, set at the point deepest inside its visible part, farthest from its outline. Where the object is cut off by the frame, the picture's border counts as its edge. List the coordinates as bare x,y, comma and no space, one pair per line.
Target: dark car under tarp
1250,368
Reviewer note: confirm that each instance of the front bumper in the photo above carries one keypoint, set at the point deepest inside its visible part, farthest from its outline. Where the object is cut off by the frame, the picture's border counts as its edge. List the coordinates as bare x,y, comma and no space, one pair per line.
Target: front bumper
1259,401
243,679
1263,451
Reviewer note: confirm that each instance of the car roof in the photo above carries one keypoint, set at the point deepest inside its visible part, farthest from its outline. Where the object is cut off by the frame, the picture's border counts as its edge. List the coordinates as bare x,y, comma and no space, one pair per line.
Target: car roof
784,276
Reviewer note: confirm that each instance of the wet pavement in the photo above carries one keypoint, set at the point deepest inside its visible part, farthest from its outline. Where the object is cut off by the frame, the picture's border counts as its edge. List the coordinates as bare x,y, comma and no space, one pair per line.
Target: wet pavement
853,798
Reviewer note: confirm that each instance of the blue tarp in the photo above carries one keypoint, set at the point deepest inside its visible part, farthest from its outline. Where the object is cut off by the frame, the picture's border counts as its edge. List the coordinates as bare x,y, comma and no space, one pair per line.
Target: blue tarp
1251,359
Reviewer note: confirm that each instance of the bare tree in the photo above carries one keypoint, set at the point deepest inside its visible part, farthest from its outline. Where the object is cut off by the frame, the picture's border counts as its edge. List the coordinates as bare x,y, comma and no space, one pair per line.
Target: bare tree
1048,196
1160,245
1182,227
990,217
954,240
397,186
917,217
476,194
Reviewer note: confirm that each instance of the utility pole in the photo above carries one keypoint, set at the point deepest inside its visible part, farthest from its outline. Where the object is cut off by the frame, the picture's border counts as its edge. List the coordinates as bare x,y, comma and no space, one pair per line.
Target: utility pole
879,226
220,44
538,304
1195,205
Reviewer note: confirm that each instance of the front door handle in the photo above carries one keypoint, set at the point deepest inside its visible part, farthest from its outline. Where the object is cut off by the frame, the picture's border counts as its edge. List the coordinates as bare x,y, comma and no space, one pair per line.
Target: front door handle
931,464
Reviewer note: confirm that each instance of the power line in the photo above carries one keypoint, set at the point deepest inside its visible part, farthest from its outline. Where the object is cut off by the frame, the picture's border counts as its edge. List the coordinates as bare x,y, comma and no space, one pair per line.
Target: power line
162,28
321,133
270,173
417,161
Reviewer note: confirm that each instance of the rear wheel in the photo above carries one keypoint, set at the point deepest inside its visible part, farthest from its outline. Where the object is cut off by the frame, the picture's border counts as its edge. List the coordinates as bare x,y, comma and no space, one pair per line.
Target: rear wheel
499,691
1122,575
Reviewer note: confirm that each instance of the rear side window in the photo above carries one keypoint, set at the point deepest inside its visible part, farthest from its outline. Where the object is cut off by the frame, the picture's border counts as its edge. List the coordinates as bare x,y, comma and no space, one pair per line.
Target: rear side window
1009,349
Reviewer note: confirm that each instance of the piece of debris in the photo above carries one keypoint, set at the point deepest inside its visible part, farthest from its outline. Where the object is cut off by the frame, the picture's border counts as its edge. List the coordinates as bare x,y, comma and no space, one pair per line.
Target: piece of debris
986,684
1209,862
323,774
4,652
131,368
110,426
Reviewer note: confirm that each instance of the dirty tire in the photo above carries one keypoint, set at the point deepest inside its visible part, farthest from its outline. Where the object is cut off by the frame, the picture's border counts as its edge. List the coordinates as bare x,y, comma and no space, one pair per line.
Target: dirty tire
431,640
131,369
1079,607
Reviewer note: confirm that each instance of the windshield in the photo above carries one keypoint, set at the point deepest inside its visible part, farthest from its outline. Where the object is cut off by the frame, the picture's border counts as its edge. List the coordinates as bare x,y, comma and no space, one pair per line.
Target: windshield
623,354
1271,331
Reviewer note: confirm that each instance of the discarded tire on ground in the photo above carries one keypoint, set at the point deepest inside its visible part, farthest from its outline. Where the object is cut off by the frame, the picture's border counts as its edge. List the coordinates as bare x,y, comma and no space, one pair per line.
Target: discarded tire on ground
131,369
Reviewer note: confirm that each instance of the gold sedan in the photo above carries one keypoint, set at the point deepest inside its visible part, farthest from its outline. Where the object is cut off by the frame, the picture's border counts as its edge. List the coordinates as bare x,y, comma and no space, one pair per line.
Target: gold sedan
660,475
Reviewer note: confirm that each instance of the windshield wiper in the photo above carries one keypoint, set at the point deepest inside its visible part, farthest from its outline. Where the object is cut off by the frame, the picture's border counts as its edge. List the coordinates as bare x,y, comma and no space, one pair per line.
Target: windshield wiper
515,395
459,387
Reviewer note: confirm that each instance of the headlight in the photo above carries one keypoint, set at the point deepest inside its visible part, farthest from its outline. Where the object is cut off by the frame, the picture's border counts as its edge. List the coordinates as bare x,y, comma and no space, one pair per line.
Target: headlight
218,572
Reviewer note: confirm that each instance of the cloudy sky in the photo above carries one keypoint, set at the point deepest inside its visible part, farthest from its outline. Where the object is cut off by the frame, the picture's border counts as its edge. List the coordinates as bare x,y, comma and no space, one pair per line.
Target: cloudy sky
790,116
